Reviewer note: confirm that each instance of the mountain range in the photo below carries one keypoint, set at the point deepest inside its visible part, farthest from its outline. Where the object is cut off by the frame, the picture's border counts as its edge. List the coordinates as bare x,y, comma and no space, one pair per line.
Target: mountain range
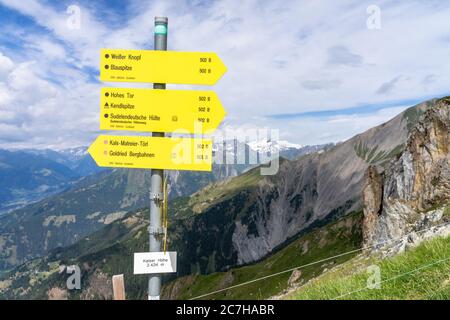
29,175
78,205
380,186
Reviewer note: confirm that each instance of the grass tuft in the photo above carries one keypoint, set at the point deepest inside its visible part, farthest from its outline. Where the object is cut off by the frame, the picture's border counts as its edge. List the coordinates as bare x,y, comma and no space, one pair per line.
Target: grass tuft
421,273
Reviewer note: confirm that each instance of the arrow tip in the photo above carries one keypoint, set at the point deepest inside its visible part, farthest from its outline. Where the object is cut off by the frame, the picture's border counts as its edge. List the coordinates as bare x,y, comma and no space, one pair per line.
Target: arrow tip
220,67
92,150
219,112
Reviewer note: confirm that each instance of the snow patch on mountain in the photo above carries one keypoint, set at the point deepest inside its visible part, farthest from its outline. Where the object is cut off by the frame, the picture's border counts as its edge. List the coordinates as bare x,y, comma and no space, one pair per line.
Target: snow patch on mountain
266,145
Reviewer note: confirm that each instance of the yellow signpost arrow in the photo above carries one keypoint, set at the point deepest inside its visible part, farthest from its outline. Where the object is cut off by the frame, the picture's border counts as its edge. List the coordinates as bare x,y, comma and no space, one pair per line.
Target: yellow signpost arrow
152,152
160,66
160,110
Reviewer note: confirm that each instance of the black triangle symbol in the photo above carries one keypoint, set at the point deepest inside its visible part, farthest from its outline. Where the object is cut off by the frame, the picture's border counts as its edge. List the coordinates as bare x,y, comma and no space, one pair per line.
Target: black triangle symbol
106,104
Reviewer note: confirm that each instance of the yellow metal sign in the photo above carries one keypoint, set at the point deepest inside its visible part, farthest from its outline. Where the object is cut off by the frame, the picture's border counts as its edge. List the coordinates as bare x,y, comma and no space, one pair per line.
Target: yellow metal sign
160,66
160,110
152,152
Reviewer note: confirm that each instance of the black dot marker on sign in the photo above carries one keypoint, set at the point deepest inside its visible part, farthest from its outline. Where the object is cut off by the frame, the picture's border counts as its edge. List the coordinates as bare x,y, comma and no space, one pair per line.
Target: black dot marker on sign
106,115
106,94
106,67
106,56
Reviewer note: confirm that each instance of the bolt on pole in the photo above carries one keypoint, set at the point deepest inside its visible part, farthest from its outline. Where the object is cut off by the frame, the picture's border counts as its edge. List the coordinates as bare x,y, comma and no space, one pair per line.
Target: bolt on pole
156,189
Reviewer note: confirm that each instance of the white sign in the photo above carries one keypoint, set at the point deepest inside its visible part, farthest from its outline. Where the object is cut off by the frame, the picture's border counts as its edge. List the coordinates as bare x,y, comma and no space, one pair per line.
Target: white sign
155,262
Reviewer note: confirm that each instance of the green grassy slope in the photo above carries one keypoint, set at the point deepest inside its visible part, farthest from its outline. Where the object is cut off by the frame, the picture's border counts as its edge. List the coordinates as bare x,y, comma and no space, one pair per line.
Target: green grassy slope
422,273
115,244
110,250
333,239
214,193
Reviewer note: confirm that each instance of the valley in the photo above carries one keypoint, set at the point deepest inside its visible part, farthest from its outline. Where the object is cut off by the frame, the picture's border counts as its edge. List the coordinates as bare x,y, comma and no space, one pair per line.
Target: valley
315,215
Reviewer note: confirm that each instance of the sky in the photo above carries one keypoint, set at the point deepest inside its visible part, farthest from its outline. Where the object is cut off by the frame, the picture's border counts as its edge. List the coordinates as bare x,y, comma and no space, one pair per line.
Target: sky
317,71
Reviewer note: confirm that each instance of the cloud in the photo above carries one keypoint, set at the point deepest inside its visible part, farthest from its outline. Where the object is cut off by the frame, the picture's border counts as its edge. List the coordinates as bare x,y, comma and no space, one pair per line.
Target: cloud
314,129
335,128
5,96
10,135
283,57
341,56
46,47
84,41
35,112
5,66
429,79
387,87
324,84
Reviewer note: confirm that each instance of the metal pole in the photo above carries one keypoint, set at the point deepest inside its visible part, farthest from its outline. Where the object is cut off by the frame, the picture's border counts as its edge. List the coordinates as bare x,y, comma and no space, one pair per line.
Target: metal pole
156,190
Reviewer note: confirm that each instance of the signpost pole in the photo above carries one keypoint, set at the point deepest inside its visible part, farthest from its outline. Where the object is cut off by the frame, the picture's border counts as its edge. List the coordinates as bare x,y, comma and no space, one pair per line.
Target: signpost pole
156,190
176,109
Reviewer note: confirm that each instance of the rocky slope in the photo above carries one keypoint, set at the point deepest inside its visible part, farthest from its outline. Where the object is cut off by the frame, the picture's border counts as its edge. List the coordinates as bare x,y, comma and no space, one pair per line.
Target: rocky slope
406,199
309,191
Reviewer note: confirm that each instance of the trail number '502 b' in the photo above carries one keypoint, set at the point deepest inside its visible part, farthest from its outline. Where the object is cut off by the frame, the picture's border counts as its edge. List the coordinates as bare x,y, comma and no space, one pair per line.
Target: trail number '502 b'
204,98
204,70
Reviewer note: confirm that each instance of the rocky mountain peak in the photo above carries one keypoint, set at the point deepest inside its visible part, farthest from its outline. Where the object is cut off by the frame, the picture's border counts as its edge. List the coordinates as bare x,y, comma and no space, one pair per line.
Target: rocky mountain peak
410,195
